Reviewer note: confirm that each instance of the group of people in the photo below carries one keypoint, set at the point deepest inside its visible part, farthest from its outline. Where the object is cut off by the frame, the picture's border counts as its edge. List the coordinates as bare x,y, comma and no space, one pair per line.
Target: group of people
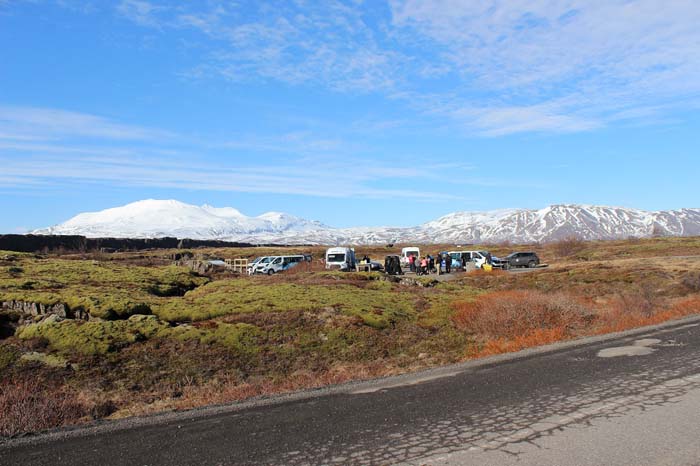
427,264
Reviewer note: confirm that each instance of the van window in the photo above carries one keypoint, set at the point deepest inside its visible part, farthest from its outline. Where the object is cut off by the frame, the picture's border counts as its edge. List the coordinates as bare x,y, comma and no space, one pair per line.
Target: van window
336,257
277,261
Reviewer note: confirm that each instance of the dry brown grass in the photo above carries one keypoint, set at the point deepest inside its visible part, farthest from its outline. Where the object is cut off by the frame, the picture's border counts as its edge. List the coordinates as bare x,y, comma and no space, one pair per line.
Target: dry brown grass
511,314
619,315
232,389
691,280
513,320
30,406
568,246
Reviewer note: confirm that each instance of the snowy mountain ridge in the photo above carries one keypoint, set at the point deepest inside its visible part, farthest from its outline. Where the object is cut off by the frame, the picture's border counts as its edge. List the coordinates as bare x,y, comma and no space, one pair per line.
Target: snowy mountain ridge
158,218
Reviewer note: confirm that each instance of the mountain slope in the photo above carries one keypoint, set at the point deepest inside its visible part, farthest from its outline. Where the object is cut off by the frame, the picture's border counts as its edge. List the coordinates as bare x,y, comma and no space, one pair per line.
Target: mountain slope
156,218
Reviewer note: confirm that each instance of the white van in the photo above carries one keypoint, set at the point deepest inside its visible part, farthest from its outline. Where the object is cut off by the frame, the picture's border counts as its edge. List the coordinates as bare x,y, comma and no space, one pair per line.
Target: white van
340,258
479,258
408,251
252,265
280,264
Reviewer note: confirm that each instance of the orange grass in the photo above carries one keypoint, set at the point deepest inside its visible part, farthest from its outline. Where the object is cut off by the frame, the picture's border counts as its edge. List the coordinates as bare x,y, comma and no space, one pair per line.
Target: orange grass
514,320
617,317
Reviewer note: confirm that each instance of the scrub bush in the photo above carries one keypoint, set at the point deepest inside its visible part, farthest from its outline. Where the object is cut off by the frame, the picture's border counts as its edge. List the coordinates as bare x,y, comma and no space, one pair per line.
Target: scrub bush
512,314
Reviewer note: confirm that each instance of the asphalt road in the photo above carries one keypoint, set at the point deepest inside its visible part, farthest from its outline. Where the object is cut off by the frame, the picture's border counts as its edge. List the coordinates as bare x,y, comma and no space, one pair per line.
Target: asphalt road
630,400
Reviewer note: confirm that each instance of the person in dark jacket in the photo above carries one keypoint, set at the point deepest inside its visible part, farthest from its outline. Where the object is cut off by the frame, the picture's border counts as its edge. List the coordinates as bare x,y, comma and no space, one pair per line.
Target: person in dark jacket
431,264
448,263
466,259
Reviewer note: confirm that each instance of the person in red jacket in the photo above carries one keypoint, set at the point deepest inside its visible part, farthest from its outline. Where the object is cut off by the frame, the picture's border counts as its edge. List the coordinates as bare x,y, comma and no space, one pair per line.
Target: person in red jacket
412,262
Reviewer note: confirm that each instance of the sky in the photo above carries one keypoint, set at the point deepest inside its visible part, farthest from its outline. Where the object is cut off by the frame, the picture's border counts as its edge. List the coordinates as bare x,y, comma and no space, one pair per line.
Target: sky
349,112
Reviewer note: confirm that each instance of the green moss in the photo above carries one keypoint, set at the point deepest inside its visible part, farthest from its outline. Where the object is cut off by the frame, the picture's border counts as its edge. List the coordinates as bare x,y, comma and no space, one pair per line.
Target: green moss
50,360
379,286
8,355
102,289
242,338
439,309
376,307
90,338
355,276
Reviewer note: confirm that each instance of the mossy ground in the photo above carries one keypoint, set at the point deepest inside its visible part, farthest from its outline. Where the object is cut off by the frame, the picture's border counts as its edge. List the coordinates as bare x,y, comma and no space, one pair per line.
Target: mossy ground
170,338
105,290
377,304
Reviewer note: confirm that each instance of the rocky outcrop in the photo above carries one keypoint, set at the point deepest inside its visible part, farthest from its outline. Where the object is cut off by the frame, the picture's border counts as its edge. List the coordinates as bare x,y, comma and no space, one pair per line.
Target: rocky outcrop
14,314
203,267
33,309
423,282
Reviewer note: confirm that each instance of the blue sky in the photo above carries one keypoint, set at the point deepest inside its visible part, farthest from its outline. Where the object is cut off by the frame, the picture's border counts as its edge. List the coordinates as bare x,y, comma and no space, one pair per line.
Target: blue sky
348,112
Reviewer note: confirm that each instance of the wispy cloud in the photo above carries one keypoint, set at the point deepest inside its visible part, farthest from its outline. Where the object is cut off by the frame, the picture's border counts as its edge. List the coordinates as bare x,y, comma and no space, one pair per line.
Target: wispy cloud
45,147
505,67
141,12
294,42
564,65
294,178
32,123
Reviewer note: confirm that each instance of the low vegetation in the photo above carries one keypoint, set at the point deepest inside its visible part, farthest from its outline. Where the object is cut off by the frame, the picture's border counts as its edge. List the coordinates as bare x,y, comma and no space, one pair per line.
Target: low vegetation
375,303
142,334
103,290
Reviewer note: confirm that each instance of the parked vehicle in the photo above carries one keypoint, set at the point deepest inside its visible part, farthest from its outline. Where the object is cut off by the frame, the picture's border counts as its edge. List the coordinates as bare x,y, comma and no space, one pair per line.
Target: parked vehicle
250,269
368,265
281,263
479,258
457,258
340,258
408,251
497,262
520,259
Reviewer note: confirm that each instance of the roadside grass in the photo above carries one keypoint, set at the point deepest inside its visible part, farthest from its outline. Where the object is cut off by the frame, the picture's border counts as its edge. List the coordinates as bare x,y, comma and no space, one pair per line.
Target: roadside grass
29,404
514,320
619,316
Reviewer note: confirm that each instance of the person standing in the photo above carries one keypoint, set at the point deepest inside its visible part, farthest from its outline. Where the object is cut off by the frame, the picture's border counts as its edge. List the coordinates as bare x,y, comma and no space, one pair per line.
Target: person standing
448,263
412,262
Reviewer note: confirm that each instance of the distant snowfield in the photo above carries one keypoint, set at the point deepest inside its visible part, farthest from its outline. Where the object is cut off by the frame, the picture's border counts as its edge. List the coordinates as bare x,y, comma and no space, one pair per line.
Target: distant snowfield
158,218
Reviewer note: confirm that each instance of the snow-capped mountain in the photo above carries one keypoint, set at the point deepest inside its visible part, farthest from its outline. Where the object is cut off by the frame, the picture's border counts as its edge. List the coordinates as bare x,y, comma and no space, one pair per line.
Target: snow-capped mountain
155,218
158,218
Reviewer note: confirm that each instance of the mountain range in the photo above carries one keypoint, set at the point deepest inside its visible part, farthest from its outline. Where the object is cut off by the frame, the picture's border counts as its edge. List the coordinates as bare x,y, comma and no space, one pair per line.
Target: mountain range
158,218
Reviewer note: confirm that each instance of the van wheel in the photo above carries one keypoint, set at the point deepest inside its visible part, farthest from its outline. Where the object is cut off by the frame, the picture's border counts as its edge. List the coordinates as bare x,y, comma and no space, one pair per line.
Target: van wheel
531,264
270,272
